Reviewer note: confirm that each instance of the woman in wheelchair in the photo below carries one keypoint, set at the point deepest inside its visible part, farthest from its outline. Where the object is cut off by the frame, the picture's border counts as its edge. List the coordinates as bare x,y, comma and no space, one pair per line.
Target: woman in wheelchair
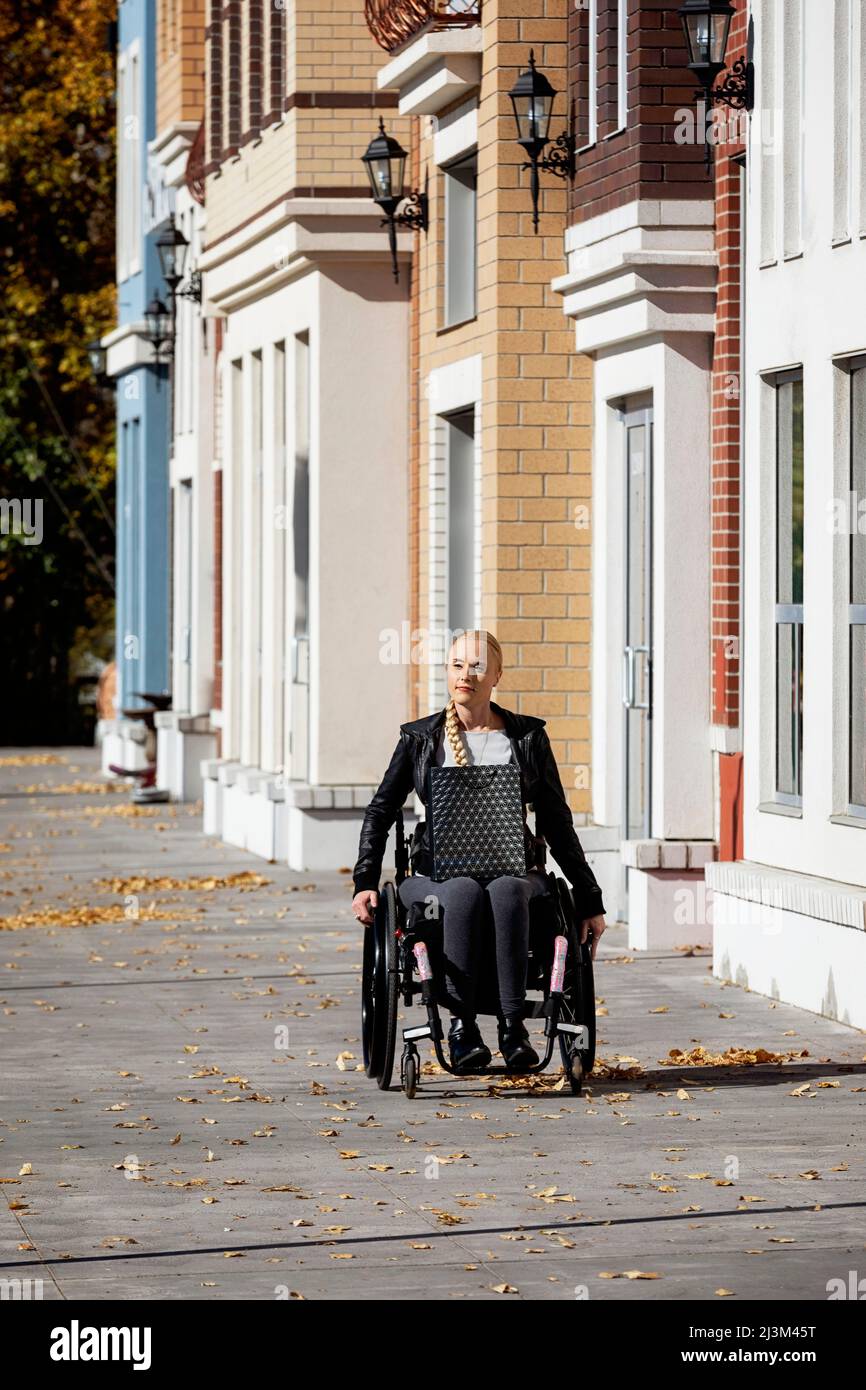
470,731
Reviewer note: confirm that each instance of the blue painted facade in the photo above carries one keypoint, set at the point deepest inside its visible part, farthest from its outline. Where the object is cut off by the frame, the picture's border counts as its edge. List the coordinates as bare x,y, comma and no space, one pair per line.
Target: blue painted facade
143,511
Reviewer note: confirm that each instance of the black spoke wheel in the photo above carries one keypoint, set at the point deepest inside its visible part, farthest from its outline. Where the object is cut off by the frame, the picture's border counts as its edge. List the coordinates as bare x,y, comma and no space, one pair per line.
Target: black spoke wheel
379,983
578,992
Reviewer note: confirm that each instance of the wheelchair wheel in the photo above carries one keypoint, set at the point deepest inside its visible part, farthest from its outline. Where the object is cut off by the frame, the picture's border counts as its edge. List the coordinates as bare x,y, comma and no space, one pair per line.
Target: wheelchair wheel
410,1075
379,989
574,1070
578,994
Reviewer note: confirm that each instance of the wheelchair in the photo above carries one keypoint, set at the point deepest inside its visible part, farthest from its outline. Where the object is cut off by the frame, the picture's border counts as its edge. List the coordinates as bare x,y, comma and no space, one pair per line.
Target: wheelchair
397,968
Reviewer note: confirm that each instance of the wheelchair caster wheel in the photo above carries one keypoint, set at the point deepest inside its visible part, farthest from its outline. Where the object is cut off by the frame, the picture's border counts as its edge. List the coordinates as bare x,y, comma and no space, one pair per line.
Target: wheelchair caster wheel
409,1071
574,1070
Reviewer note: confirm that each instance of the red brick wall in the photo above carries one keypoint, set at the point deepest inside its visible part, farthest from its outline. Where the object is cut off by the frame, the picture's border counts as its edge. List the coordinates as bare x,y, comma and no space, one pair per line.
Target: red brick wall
644,160
277,66
215,78
255,68
725,460
725,447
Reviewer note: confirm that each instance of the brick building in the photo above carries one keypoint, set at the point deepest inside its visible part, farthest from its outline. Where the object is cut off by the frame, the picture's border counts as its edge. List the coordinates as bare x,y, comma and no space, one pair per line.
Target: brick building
789,899
311,427
500,407
143,565
185,734
641,289
642,499
722,305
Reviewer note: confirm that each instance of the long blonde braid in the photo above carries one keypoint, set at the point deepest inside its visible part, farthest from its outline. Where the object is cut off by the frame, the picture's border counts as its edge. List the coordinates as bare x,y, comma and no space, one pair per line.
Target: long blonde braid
453,727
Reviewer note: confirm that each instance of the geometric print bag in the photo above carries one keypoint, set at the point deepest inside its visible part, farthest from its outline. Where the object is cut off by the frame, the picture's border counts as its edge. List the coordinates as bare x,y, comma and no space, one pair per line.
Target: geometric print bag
476,822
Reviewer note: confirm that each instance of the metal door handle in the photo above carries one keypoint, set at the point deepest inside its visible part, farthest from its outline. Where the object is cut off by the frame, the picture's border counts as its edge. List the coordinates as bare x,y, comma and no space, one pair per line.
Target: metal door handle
628,677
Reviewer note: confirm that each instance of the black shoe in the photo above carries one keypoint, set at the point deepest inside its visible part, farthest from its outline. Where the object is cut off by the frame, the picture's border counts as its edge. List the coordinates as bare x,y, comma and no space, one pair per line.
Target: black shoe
517,1051
468,1049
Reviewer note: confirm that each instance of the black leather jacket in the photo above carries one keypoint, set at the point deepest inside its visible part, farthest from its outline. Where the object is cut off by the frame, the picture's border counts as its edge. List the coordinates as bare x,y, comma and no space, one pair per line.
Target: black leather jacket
542,788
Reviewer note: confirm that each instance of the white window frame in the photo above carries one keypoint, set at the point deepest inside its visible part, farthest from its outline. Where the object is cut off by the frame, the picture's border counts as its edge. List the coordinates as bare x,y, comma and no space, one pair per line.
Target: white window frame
129,171
790,613
843,113
449,172
452,388
856,612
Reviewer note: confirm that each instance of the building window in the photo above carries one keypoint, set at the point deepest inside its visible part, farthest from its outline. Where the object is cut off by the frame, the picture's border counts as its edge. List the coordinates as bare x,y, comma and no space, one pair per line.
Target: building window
857,597
789,587
463,514
129,167
592,66
460,239
622,64
768,98
282,501
236,552
843,54
301,490
299,699
792,128
257,528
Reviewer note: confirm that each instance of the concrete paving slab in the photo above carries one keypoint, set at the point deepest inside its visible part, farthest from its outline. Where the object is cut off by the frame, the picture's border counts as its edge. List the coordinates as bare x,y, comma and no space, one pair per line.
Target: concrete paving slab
180,1079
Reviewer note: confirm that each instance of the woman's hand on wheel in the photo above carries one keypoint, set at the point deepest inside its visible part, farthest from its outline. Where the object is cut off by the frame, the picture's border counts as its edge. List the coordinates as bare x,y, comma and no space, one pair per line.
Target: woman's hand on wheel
594,925
364,904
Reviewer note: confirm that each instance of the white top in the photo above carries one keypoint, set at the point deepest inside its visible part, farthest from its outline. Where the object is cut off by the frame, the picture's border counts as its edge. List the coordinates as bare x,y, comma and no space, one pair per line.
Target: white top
491,746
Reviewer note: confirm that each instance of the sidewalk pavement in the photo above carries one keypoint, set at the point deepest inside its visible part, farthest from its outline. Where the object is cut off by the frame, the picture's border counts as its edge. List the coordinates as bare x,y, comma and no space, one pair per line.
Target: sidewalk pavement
134,1012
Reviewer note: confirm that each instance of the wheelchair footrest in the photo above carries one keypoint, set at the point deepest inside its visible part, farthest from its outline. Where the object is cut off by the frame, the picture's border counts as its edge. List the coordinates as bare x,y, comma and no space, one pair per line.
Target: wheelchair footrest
577,1031
420,1030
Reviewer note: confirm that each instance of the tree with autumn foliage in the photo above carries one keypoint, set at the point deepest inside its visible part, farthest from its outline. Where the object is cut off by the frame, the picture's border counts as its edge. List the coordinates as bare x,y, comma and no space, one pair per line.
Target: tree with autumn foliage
57,162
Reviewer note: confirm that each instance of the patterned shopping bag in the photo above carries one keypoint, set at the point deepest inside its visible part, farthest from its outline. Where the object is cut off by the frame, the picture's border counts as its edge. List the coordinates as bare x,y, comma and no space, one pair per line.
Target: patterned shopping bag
477,822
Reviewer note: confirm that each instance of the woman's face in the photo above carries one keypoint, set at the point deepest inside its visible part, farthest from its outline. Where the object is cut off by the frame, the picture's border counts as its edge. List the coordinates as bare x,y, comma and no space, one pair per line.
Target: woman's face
473,671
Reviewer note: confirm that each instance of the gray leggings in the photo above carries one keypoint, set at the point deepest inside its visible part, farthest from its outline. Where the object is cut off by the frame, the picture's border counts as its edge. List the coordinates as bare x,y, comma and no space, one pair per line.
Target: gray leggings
459,903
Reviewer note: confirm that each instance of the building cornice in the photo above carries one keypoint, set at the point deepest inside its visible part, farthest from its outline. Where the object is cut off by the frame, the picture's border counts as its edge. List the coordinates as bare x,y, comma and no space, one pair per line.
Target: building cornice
643,271
434,70
169,149
289,239
127,347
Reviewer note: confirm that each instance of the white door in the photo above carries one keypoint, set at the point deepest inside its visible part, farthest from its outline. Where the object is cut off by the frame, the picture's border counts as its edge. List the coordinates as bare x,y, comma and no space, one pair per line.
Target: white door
637,426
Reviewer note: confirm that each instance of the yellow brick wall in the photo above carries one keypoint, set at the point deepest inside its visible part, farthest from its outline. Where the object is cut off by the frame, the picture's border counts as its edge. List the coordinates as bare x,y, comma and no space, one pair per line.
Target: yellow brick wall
334,50
536,409
180,61
328,49
536,402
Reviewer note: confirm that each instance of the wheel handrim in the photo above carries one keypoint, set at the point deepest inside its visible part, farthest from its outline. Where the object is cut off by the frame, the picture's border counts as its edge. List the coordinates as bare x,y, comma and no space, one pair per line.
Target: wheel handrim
577,982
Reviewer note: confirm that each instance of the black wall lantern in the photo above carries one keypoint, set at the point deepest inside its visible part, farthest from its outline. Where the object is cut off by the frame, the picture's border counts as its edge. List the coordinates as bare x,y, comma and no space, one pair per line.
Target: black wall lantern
172,247
98,360
160,327
385,162
706,25
532,98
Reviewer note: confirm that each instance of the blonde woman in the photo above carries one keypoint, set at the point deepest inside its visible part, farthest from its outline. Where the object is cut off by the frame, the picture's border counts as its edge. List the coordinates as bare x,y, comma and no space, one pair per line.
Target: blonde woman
473,729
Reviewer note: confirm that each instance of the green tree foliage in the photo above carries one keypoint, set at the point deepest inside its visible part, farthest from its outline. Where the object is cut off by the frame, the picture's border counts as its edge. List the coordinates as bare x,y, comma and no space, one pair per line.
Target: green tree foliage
57,160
